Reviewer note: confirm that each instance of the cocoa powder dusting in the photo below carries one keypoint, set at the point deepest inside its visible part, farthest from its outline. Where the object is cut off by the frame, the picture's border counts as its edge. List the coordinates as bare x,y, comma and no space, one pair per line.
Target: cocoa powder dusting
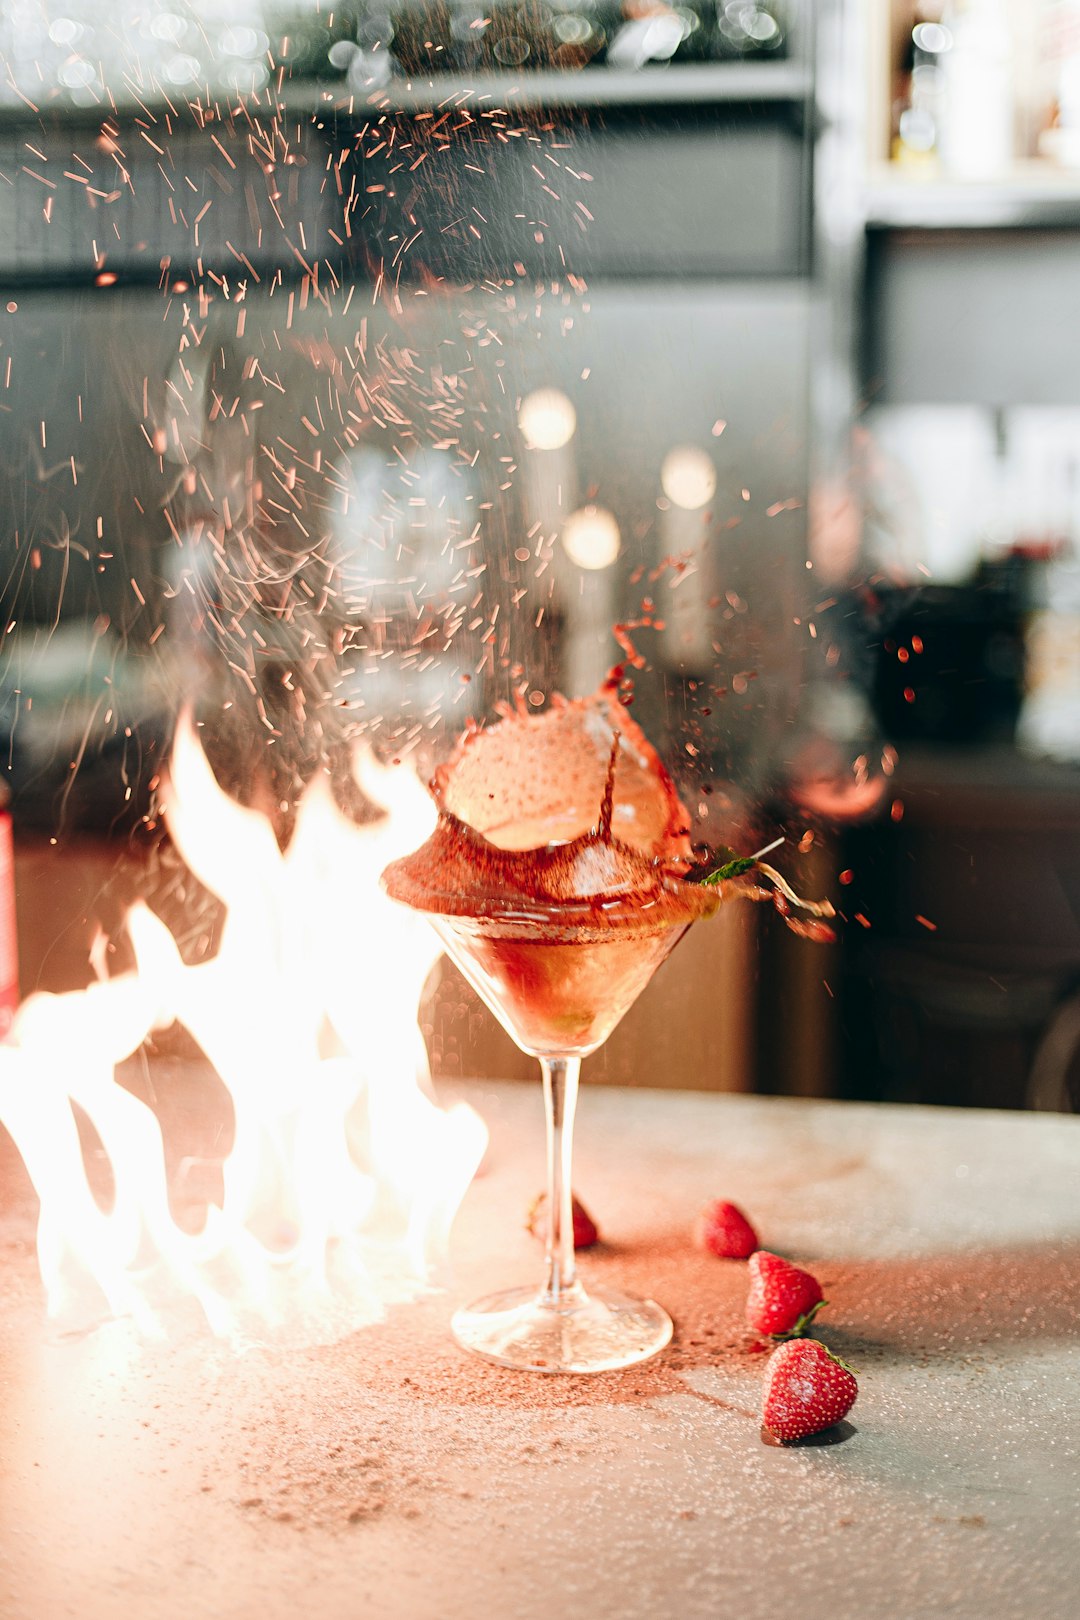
375,1410
366,1417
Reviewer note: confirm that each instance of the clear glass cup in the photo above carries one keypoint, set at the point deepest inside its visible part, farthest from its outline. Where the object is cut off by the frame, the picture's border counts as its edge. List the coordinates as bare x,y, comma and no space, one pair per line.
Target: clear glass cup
558,988
554,878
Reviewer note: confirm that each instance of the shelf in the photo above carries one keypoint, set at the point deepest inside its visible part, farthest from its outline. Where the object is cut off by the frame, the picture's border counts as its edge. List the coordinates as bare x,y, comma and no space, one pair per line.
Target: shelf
1033,197
705,84
601,87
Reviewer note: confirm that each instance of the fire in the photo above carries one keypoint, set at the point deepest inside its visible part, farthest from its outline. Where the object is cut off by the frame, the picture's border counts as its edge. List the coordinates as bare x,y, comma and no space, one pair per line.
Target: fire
344,1175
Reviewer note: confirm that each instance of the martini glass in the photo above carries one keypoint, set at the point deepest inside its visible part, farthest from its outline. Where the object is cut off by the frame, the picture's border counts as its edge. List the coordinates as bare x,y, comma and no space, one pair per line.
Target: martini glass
554,879
559,981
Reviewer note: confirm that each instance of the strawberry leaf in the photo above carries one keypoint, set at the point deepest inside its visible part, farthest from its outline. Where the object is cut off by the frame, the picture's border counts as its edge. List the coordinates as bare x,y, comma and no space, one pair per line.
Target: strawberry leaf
832,1355
802,1324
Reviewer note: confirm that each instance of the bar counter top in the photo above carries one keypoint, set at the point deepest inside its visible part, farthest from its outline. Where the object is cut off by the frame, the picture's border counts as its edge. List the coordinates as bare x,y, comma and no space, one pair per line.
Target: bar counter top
389,1475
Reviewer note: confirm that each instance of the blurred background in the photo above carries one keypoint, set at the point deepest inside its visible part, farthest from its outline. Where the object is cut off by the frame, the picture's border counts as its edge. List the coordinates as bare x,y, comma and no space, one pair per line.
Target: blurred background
362,366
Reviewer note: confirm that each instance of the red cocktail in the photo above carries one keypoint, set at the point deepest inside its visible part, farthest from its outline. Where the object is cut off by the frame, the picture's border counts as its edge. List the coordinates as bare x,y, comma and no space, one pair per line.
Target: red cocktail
556,880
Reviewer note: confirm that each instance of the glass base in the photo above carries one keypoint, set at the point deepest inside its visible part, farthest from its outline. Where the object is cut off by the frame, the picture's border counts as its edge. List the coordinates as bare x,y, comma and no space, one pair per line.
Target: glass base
584,1333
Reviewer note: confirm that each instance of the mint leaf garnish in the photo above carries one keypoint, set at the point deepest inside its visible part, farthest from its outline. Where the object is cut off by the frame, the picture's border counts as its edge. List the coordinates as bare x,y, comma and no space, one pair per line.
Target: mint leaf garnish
739,864
730,869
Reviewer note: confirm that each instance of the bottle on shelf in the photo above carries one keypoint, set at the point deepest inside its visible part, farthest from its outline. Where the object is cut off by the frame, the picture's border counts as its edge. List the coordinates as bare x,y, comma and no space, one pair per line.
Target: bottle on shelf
1059,139
917,103
977,139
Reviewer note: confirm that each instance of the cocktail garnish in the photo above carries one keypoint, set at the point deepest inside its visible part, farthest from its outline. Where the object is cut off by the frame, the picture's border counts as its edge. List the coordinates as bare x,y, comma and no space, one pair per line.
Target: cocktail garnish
781,894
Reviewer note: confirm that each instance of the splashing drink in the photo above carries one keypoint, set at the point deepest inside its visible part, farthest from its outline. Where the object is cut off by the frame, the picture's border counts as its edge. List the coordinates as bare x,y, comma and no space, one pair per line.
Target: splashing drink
556,879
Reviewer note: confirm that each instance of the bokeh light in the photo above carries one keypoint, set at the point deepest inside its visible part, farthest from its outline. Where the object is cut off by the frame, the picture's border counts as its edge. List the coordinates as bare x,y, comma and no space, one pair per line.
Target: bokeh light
591,537
688,477
547,419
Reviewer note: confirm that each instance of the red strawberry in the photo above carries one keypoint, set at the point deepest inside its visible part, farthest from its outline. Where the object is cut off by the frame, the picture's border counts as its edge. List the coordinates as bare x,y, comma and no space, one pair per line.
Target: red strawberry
807,1389
724,1230
585,1233
783,1300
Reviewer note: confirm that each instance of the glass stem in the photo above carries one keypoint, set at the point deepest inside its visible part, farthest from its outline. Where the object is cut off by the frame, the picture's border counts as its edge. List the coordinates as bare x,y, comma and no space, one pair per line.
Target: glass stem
560,1102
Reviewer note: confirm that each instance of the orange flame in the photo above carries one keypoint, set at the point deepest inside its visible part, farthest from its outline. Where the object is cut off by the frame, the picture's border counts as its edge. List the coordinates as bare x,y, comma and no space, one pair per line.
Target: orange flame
344,1176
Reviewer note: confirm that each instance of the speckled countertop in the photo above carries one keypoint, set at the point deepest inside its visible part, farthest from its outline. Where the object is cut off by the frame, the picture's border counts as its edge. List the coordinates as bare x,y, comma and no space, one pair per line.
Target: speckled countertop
389,1475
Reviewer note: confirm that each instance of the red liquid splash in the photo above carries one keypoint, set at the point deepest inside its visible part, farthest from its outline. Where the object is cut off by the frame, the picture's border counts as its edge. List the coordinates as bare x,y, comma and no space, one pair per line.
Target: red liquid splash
555,873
